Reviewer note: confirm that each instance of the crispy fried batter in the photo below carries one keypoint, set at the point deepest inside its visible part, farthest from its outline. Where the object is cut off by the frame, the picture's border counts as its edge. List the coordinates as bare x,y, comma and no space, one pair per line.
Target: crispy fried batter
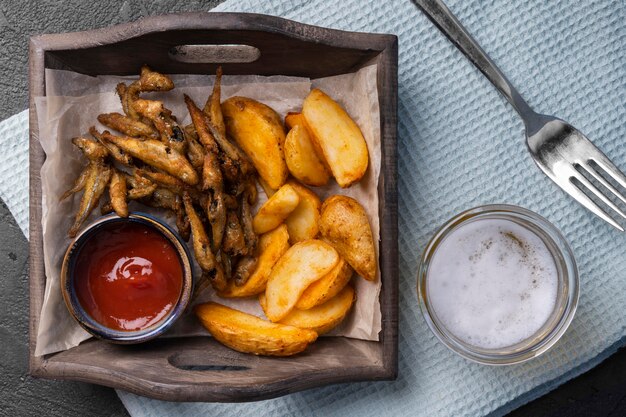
117,154
126,125
234,243
202,247
79,184
90,148
195,150
211,174
95,184
250,236
157,154
118,192
213,106
245,267
216,213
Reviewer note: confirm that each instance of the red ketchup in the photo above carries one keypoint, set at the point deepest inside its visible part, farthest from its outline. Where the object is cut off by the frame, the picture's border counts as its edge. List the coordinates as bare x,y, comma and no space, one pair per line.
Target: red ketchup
128,276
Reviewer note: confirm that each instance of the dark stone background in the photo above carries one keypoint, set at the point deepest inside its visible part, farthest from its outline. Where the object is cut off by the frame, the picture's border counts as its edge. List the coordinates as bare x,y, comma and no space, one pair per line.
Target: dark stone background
600,392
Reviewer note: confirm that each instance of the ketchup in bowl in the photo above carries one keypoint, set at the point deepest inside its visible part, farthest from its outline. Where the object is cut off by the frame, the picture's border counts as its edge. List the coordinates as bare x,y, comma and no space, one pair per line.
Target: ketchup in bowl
126,280
128,277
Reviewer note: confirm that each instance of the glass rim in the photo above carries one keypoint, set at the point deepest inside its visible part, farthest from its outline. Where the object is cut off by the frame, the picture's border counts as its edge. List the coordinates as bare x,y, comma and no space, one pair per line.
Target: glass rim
565,304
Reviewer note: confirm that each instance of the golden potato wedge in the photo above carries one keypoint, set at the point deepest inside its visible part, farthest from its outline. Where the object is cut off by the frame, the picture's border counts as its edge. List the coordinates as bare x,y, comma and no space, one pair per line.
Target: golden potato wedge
301,158
272,246
276,209
249,334
303,222
259,132
326,288
302,264
344,224
324,317
293,118
338,136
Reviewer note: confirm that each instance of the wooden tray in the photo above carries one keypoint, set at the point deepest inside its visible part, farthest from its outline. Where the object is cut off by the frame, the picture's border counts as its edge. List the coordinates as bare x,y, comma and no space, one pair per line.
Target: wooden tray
200,369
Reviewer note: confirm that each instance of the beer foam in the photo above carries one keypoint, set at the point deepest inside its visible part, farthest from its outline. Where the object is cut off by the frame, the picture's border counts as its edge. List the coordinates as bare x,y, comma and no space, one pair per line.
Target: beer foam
492,283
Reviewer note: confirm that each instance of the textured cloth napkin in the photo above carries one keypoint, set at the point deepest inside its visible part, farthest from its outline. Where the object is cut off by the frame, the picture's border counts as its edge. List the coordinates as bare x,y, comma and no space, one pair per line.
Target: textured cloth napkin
461,145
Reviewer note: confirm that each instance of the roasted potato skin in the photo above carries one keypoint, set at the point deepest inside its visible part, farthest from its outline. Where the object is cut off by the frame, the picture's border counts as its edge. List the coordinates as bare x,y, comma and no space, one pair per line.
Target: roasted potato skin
344,224
259,132
326,288
338,136
249,334
272,246
322,318
303,222
276,209
302,159
302,264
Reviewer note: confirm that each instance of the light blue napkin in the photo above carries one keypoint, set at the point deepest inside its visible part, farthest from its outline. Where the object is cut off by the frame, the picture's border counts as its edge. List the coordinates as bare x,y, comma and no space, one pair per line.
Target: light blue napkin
461,145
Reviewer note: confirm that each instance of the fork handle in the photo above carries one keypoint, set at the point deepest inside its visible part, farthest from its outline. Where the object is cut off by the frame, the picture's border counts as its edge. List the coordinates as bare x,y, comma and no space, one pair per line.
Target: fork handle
443,18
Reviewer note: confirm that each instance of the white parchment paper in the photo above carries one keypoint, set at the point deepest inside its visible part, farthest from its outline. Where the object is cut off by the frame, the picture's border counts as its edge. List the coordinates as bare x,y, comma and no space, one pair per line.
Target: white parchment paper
70,107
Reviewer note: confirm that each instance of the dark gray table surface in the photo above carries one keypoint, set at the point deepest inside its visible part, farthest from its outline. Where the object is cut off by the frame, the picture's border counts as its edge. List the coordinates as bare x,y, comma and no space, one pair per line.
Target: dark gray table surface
600,392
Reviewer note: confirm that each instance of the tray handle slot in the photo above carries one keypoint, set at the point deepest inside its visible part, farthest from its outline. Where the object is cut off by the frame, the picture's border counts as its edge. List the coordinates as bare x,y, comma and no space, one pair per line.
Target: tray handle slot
214,54
192,361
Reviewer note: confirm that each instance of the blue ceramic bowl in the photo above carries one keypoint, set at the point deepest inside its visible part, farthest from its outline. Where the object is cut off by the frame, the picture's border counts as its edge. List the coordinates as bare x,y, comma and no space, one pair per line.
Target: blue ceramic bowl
85,320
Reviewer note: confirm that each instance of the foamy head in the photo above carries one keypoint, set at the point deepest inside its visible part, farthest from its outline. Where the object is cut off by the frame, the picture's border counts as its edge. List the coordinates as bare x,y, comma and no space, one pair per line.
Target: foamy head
492,283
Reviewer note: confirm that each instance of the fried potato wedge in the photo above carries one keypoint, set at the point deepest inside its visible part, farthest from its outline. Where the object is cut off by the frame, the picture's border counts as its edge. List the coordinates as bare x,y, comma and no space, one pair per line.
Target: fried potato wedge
326,288
259,132
344,224
272,246
302,159
293,118
324,317
302,264
338,136
276,209
249,334
303,222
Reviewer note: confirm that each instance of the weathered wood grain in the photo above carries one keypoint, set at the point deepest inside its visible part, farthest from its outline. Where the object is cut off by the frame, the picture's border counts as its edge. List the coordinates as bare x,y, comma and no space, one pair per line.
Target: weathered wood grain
200,369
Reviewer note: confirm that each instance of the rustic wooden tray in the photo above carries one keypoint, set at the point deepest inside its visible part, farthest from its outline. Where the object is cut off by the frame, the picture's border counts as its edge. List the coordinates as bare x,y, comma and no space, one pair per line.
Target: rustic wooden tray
200,369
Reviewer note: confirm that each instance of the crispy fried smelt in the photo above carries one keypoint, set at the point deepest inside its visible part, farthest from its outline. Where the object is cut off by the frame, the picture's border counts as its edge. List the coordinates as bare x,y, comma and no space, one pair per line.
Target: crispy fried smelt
231,151
195,150
213,106
216,213
245,267
171,183
140,187
148,81
250,236
211,174
95,184
157,154
164,198
202,247
79,184
200,122
122,91
182,224
169,131
234,243
117,193
154,81
126,125
117,154
90,148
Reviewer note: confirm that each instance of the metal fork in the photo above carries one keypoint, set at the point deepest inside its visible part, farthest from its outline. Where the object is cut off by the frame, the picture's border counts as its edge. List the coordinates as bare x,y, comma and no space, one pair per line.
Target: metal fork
561,151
